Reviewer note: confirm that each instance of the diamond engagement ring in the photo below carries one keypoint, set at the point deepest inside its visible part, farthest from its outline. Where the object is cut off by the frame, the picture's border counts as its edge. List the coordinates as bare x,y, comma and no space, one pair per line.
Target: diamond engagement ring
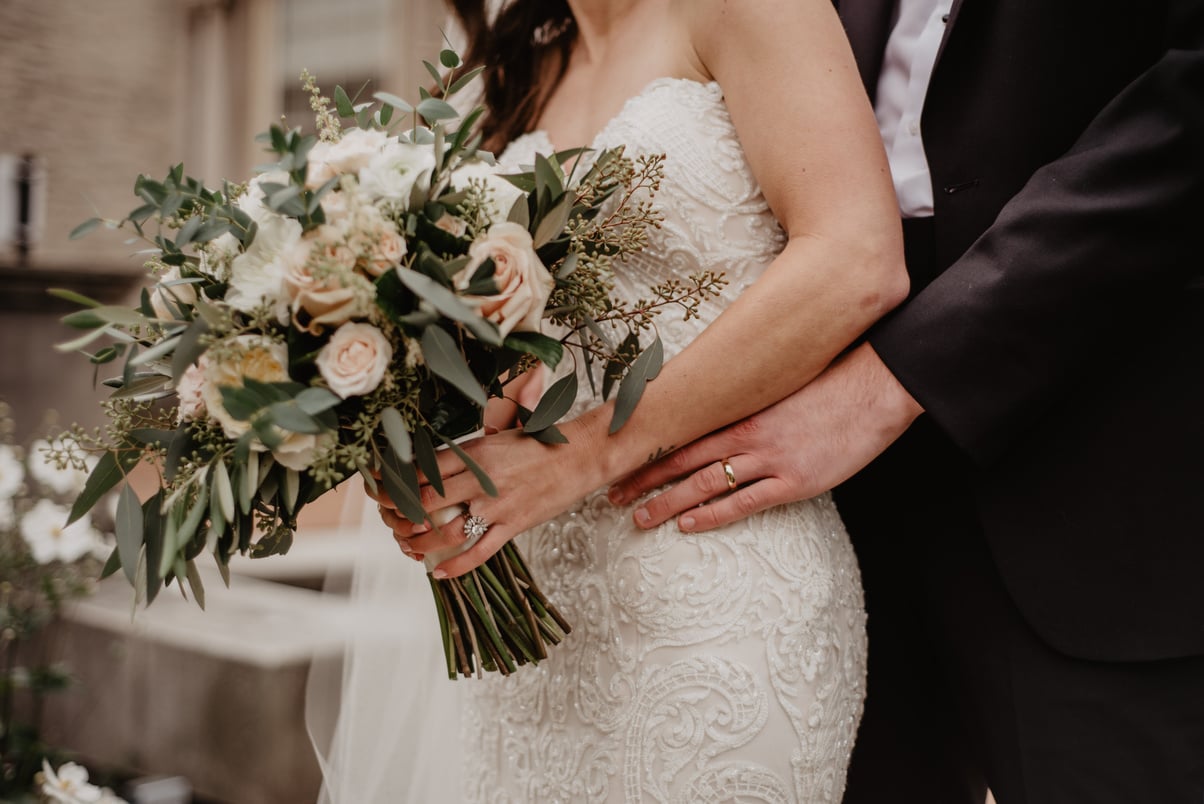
475,527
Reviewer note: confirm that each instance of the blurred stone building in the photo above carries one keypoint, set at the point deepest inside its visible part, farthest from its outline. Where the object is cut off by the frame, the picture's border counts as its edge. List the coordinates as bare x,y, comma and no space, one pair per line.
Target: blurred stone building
93,93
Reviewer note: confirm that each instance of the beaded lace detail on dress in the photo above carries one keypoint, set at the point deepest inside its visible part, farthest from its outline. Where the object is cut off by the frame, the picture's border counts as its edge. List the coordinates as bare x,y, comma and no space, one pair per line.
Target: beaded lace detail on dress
713,667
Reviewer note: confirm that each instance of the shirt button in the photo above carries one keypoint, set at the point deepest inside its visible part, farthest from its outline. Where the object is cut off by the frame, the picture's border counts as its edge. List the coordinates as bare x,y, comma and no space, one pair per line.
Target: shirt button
913,128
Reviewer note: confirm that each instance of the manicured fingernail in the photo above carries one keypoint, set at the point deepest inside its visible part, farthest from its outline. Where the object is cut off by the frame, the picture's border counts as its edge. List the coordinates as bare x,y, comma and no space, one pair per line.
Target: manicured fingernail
439,575
614,495
687,523
417,556
642,516
417,530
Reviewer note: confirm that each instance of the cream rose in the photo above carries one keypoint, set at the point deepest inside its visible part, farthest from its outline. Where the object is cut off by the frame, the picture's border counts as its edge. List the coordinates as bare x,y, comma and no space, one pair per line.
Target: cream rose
191,390
523,282
298,450
353,362
322,287
354,150
170,293
248,356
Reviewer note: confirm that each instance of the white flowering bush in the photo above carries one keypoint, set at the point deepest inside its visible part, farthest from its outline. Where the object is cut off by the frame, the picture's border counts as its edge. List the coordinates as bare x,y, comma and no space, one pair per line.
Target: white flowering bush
44,564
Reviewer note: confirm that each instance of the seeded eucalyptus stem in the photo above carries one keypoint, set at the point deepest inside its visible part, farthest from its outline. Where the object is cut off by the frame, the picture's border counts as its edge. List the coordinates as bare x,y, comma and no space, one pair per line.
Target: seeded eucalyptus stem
495,618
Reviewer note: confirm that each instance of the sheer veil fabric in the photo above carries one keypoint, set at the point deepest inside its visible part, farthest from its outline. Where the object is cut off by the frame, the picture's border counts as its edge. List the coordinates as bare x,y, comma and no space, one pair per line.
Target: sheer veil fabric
384,718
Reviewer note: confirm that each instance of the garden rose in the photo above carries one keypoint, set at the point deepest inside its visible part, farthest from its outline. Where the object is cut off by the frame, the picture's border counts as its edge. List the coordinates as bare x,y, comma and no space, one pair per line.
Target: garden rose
169,293
190,391
396,170
248,356
354,150
523,283
257,276
354,360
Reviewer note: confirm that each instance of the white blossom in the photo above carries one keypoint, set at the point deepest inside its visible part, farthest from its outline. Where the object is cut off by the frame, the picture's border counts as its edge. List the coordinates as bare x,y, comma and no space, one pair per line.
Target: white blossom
257,275
12,472
396,170
60,481
49,538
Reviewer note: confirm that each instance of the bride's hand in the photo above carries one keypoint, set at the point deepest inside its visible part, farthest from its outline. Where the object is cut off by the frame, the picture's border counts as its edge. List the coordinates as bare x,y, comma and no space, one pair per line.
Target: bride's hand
500,414
535,482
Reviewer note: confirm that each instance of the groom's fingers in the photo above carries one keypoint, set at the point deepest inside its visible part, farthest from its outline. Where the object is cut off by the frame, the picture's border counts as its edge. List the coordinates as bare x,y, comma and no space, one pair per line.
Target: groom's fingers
706,484
675,465
738,505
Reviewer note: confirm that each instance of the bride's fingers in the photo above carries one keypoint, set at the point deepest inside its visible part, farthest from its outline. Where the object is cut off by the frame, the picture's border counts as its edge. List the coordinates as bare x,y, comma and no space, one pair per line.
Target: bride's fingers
676,464
705,484
475,556
738,505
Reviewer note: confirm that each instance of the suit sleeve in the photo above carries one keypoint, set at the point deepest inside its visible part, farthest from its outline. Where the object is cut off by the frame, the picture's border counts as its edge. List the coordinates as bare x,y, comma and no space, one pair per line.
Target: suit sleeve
1083,260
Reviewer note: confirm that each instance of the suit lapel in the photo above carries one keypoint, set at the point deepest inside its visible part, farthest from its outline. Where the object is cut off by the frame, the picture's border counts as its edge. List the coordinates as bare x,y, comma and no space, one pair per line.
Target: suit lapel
953,12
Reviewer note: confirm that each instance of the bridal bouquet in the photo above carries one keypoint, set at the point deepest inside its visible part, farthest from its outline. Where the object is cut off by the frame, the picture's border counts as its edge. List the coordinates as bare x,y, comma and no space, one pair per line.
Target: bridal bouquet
351,310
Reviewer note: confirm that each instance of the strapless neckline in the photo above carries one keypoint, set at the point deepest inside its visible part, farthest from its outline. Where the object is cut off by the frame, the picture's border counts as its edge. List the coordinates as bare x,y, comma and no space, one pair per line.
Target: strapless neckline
544,144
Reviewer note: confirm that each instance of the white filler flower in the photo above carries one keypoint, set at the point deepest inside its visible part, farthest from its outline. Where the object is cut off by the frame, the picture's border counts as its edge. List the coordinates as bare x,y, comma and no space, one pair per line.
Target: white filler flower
49,538
12,473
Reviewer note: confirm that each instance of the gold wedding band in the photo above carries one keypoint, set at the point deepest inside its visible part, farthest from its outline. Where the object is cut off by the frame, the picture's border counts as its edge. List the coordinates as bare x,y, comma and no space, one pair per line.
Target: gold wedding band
729,474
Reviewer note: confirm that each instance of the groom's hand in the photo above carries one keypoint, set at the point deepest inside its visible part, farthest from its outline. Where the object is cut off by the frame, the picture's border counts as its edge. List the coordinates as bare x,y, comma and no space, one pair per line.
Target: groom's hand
799,448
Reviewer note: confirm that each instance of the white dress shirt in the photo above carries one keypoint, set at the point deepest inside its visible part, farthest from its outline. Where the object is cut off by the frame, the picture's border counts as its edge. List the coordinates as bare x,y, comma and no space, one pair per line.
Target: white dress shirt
906,68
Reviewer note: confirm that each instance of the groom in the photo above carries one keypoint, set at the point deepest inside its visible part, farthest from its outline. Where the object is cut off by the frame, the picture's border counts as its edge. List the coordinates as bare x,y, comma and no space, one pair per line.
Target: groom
1020,445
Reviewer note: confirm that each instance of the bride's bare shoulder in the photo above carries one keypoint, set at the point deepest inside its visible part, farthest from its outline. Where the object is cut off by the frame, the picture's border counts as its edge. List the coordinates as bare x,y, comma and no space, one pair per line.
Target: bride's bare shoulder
719,29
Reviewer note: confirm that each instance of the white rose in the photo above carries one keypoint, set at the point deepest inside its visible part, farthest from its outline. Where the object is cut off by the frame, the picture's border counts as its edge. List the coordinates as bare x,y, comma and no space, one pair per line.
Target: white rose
257,276
354,361
191,392
251,202
354,150
298,450
215,256
502,194
523,283
170,293
395,171
248,356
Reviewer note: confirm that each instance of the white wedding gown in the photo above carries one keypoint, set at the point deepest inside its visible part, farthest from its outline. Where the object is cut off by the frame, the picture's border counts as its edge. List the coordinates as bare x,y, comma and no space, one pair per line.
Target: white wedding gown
723,666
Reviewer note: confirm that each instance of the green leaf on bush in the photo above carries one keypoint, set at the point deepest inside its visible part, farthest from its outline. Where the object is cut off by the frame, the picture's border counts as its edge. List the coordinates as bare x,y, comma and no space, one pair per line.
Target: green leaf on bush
444,359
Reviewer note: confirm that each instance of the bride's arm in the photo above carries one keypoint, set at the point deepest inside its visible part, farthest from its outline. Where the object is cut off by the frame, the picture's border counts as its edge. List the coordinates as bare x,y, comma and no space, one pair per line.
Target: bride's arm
809,134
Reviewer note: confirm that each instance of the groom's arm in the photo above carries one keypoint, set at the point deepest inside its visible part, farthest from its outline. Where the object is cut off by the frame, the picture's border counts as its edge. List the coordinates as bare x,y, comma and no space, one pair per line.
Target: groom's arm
1107,233
1088,253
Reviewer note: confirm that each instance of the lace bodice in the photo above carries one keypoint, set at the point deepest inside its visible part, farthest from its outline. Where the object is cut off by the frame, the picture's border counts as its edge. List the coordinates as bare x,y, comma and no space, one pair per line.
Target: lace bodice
705,667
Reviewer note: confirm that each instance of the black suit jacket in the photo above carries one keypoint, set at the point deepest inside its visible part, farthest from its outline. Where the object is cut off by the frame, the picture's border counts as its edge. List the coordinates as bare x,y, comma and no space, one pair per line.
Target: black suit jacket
1061,345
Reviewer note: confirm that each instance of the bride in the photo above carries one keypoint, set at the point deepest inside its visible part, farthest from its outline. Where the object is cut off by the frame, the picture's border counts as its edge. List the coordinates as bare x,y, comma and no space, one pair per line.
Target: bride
708,667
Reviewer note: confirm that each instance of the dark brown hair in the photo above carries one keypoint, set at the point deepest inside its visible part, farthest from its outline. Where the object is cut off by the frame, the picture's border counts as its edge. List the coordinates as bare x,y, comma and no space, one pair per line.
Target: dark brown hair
525,52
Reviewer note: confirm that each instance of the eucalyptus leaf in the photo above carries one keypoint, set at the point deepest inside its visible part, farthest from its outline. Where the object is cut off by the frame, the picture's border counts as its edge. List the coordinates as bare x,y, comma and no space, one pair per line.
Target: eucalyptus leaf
289,416
189,348
398,434
401,484
152,386
464,80
223,490
444,359
447,303
152,543
555,402
482,477
157,351
428,461
433,110
552,226
84,228
108,472
394,101
449,59
549,435
645,368
129,530
343,103
194,582
549,350
72,296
